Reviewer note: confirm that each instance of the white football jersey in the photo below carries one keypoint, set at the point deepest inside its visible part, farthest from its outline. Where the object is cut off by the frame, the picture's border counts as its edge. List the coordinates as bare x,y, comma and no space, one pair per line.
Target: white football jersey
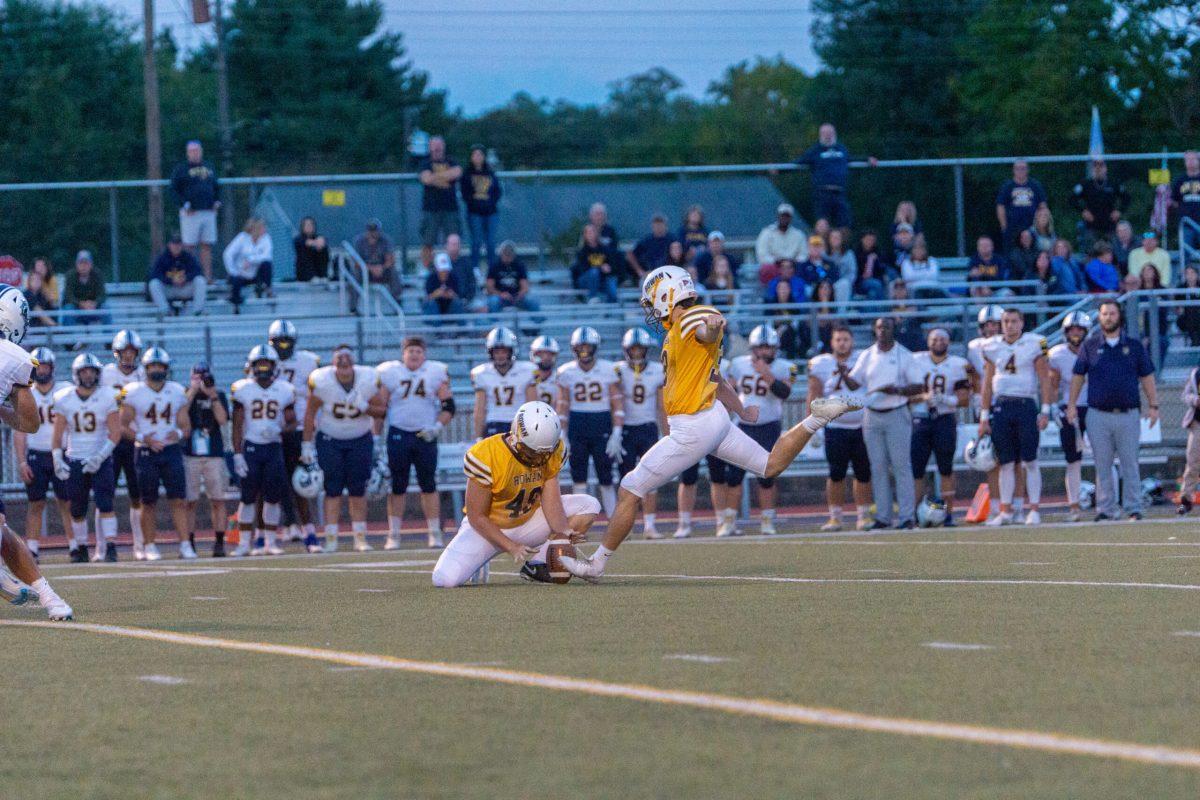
941,378
755,390
154,412
1015,374
1062,361
413,394
588,390
824,369
975,354
296,371
504,394
262,420
41,440
111,375
548,388
338,417
16,368
641,388
87,419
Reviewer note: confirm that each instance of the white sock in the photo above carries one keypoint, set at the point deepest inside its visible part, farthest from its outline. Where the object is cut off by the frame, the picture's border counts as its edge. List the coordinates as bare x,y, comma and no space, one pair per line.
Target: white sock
685,519
813,424
268,536
730,514
331,530
1033,482
32,544
648,521
835,512
434,526
768,513
1074,478
601,555
1008,483
360,530
80,532
1018,503
608,499
108,525
394,526
135,524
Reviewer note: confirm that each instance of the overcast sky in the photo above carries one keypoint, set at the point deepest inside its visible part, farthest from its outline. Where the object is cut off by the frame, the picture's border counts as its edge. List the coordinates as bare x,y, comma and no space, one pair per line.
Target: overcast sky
484,51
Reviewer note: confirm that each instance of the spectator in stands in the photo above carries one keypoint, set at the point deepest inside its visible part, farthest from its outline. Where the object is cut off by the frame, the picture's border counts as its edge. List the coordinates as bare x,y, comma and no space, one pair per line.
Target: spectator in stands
1123,244
85,292
40,301
194,182
693,233
441,291
1043,229
872,268
12,272
906,214
651,251
829,163
1102,276
1150,279
1150,254
840,259
708,256
721,280
676,256
377,251
902,242
439,175
1188,317
1053,276
480,190
595,268
598,216
1063,257
176,277
248,261
1021,258
779,241
1018,200
465,276
50,284
815,267
907,328
795,339
1185,196
920,269
985,267
821,228
1100,203
312,252
508,282
787,274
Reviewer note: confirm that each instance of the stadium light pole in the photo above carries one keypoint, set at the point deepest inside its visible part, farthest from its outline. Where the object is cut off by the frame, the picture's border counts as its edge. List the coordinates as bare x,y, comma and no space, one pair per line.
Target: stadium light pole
153,127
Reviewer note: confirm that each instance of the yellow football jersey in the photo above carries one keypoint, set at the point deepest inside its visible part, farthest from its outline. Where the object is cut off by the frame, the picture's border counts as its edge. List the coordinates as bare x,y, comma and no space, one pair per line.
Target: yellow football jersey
516,488
691,365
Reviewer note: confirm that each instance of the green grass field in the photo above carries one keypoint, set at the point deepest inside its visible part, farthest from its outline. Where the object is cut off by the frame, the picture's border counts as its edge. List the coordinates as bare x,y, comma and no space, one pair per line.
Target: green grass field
1080,631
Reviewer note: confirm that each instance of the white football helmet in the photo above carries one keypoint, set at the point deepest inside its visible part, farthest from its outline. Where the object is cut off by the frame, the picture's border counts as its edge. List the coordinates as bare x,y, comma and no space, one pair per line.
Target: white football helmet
499,338
380,483
156,355
980,455
764,336
1077,319
535,433
543,344
14,314
662,289
585,336
263,352
308,480
124,339
85,361
989,314
931,513
1087,495
282,336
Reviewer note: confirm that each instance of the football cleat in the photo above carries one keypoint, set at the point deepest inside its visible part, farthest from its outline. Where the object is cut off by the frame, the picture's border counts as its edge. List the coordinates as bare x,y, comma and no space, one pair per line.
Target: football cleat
312,544
435,540
260,546
361,545
830,408
392,543
728,527
58,610
535,573
218,550
682,532
832,524
243,548
584,568
1001,519
13,589
767,527
110,553
273,549
331,544
139,552
79,555
651,534
152,553
1033,517
186,551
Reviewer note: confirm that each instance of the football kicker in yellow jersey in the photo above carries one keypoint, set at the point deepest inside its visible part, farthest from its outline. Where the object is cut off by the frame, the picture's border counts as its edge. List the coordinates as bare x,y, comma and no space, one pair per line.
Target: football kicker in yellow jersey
514,504
698,426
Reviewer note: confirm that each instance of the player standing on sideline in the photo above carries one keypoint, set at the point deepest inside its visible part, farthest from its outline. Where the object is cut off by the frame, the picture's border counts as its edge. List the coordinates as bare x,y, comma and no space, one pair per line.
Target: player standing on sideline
1014,373
595,413
126,349
263,408
513,502
763,381
641,387
416,395
699,424
543,354
154,414
844,443
294,367
34,461
20,579
989,327
1075,327
947,382
87,416
342,394
501,384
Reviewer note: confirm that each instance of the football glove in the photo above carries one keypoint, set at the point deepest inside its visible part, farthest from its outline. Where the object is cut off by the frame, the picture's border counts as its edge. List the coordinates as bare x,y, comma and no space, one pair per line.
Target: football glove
430,434
308,452
62,470
613,449
91,464
240,466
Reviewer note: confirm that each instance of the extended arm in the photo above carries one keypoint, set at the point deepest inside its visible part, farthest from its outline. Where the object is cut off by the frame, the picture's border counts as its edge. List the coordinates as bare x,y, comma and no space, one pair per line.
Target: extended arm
22,415
478,504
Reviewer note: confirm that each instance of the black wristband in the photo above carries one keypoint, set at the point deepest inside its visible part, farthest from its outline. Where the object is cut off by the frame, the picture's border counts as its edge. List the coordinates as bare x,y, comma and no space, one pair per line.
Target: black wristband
780,389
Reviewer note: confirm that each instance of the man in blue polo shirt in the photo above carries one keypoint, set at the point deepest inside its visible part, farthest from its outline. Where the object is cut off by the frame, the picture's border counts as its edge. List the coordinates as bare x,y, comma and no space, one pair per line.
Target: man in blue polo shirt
1114,364
829,162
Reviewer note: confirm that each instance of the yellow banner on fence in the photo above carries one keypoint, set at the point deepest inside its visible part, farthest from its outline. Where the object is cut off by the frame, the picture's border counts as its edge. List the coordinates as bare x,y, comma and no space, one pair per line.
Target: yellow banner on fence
333,197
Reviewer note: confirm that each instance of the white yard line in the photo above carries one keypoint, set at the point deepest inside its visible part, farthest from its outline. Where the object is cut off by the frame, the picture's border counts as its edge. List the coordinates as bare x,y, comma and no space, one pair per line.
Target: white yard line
1191,634
163,680
697,658
956,646
139,574
741,706
1033,563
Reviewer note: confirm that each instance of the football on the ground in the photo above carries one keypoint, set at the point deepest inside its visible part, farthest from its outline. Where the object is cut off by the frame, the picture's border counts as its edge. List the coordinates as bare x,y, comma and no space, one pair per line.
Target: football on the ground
558,573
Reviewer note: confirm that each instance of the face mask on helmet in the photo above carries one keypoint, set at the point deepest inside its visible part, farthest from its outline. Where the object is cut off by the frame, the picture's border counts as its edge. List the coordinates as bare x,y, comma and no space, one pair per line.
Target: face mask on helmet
263,371
765,352
156,373
544,360
88,377
501,356
43,374
990,328
128,358
636,353
585,352
284,346
527,455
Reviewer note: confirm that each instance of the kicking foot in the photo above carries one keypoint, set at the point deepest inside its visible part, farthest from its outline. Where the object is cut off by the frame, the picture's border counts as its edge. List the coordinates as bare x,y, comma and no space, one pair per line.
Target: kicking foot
830,408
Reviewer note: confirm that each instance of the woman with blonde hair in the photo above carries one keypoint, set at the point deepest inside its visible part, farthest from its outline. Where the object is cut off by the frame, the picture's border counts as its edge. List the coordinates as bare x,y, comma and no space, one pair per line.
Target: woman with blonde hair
248,261
1043,229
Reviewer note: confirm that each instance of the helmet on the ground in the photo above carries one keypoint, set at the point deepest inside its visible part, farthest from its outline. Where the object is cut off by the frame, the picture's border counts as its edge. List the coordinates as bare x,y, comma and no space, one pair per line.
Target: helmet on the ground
979,454
85,361
1152,491
1087,495
500,338
124,340
585,337
662,290
931,513
14,314
308,480
535,432
282,336
380,482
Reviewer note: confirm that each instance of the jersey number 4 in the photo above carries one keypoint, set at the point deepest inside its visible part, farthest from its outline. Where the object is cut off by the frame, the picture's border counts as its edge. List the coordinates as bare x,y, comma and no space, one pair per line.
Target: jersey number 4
522,504
154,415
260,409
1011,366
407,388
